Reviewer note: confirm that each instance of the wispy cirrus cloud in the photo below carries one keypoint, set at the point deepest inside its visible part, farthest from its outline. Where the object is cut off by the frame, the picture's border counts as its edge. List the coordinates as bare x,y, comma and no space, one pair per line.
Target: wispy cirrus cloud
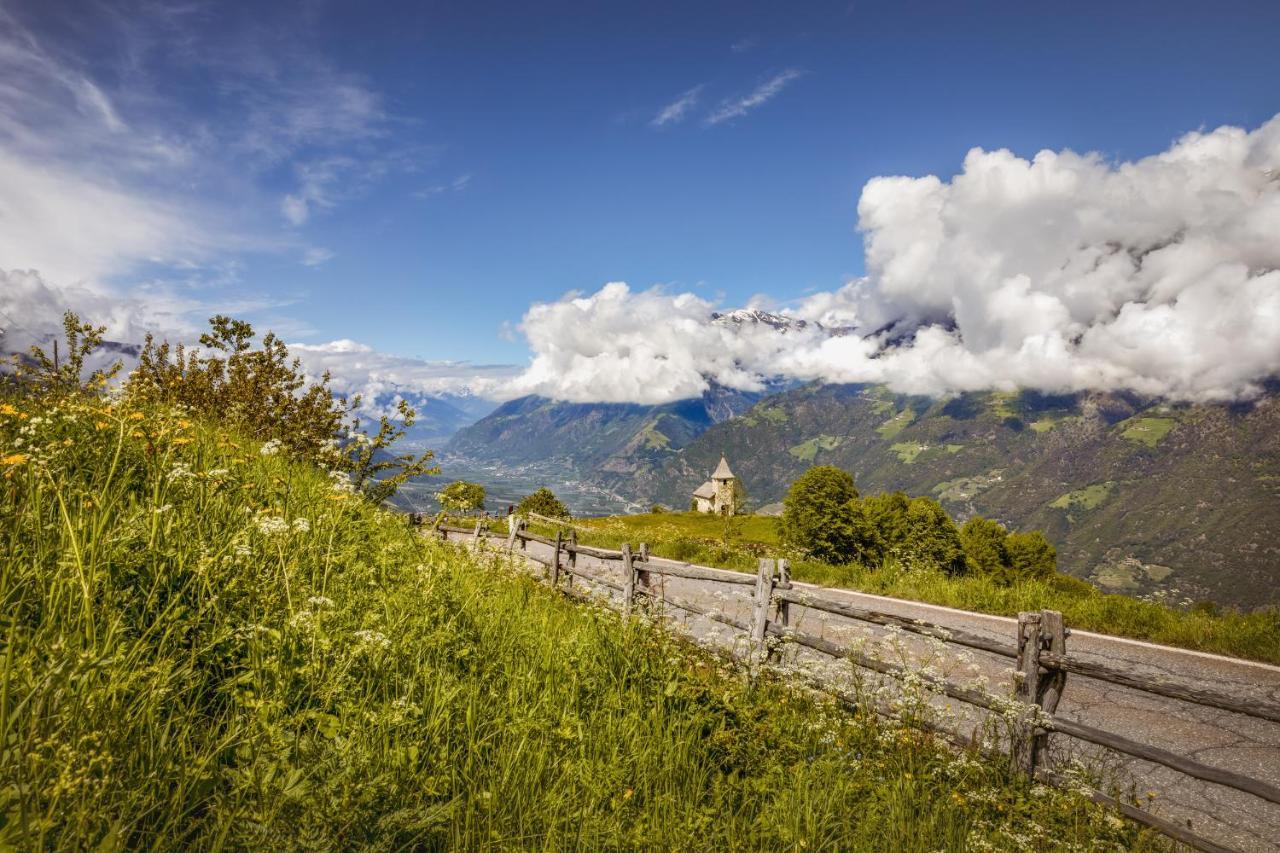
732,108
679,109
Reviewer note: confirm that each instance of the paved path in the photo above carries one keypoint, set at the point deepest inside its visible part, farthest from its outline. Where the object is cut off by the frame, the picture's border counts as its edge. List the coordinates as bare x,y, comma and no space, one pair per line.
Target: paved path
1222,738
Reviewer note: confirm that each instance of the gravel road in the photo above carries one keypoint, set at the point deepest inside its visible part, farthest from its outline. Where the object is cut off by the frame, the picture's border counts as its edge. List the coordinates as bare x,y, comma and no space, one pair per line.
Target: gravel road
1221,738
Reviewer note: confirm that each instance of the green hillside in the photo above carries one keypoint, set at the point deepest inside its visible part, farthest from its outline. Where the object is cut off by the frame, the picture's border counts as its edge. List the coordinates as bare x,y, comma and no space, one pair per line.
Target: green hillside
208,645
1180,502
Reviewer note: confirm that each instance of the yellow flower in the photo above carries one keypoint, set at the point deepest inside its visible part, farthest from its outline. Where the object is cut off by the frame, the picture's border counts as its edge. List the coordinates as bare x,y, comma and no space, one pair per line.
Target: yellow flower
14,459
6,409
181,441
101,425
137,416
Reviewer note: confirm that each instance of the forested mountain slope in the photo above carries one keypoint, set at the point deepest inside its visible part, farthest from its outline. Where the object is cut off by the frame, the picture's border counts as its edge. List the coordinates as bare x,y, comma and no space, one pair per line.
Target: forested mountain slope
1138,495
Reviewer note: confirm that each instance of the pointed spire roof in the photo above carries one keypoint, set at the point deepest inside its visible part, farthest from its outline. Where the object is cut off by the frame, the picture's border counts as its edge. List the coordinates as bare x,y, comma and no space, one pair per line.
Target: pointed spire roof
722,470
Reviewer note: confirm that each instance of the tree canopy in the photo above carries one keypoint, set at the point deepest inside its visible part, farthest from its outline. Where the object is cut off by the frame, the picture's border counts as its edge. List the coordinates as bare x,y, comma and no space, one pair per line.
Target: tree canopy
461,496
817,516
543,502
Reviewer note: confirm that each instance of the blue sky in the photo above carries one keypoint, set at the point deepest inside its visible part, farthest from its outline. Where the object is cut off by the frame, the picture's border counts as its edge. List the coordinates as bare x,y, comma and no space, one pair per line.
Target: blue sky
413,176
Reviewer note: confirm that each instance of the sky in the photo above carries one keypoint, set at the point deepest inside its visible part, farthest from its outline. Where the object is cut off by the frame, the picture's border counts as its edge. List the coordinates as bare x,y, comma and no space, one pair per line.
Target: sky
429,193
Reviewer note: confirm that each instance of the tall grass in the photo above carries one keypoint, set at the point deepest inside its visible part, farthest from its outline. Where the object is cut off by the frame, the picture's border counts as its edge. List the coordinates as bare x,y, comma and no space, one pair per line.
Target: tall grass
706,539
207,645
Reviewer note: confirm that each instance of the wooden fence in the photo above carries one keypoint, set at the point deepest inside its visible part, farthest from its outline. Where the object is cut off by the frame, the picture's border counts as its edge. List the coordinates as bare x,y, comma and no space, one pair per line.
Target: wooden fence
1038,650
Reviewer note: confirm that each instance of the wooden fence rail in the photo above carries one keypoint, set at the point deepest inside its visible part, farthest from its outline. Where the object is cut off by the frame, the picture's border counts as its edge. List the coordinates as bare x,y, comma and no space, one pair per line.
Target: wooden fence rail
1039,651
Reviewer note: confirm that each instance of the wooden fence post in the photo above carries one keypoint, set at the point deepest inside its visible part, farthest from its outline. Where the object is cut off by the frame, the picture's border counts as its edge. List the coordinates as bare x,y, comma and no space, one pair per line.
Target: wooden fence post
524,543
628,579
642,575
475,537
1053,637
555,561
764,595
784,582
1027,690
572,550
513,525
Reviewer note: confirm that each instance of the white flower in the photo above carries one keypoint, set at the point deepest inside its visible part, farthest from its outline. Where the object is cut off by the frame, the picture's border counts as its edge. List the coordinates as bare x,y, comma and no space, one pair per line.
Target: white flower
301,525
271,448
319,602
341,482
271,525
372,639
179,471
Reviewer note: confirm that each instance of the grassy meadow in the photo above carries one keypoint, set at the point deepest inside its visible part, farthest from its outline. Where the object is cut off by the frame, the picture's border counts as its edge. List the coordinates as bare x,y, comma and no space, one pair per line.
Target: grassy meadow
208,645
738,542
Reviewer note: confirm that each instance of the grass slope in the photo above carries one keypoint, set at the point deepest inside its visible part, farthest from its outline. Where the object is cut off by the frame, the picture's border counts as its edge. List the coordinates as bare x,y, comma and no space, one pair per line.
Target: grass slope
737,543
210,646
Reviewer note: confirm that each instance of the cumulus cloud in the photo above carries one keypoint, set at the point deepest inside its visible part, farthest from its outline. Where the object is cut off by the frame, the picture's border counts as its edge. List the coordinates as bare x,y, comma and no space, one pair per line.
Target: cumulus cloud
766,91
1061,273
380,377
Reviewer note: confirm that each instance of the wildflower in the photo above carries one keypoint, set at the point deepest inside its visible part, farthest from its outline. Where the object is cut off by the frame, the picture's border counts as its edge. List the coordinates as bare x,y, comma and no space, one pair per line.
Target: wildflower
341,482
179,471
301,525
271,448
372,639
6,409
320,602
14,459
271,525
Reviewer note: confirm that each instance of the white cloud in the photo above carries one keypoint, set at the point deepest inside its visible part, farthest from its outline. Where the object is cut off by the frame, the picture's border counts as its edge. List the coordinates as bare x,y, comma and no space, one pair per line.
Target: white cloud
31,310
316,256
357,368
766,91
676,111
1060,273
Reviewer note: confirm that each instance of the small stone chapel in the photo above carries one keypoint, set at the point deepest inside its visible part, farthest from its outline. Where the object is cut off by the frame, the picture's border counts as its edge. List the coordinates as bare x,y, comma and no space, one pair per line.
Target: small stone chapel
719,494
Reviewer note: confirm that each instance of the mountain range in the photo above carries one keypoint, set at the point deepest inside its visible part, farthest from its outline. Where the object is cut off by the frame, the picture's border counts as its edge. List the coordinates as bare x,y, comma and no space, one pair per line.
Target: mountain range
1141,496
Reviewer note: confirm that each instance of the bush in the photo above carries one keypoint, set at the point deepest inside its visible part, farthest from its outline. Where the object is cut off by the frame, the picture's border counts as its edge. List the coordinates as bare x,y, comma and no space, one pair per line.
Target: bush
657,509
818,516
263,394
461,496
543,502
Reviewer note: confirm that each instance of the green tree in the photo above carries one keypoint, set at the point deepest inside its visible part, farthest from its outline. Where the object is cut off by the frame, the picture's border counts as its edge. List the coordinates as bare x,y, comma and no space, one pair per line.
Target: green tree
985,546
64,371
916,531
1031,555
933,538
819,515
461,496
543,502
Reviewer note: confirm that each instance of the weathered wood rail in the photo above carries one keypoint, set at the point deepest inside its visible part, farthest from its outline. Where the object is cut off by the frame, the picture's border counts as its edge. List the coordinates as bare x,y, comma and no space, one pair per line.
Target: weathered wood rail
1038,650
